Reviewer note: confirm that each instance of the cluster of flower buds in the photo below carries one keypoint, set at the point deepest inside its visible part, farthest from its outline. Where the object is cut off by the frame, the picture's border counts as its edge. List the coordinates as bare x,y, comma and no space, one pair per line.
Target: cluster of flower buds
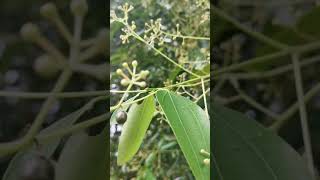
153,32
53,60
136,78
126,8
127,33
204,4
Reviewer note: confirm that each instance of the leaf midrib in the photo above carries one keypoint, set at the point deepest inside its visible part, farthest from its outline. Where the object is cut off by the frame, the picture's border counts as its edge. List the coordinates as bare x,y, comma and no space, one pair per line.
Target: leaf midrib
141,112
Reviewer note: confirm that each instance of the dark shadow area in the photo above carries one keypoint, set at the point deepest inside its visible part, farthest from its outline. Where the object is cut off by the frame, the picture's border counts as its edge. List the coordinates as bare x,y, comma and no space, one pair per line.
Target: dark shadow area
54,75
266,60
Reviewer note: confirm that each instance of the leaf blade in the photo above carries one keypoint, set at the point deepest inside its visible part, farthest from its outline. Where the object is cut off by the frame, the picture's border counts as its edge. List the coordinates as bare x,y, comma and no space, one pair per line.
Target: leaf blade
84,157
48,149
191,128
139,118
239,140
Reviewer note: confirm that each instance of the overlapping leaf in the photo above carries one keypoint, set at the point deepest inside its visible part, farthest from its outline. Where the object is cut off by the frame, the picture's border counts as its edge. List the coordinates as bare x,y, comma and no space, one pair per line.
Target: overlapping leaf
243,149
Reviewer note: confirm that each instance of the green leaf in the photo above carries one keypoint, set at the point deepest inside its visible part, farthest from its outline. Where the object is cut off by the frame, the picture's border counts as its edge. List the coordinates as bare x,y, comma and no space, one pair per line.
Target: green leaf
309,23
243,149
46,149
191,128
84,157
134,129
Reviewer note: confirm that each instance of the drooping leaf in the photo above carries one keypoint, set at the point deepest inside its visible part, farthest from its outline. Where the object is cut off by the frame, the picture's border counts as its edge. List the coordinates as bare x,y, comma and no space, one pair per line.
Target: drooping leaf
46,149
243,149
134,129
191,128
84,157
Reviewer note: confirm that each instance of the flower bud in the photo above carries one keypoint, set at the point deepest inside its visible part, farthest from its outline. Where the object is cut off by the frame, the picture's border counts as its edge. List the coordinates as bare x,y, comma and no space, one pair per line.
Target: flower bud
30,32
142,84
119,71
144,74
124,82
79,7
125,65
45,66
49,11
134,63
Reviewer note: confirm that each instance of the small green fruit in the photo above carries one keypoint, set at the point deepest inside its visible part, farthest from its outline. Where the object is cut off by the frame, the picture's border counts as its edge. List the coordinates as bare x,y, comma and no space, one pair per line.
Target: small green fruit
121,117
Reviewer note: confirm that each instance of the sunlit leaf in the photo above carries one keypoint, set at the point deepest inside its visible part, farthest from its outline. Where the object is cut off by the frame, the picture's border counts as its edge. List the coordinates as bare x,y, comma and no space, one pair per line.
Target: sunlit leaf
191,128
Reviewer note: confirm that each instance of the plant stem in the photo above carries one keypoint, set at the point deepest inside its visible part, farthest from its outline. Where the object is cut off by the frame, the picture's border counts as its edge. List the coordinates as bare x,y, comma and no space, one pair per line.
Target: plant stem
186,37
163,55
134,34
63,29
273,72
247,30
113,108
205,99
251,62
77,127
303,114
263,59
41,95
11,147
285,117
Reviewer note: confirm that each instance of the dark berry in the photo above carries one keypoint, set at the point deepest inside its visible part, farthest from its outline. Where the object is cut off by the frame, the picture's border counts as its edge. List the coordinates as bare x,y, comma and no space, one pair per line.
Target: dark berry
121,117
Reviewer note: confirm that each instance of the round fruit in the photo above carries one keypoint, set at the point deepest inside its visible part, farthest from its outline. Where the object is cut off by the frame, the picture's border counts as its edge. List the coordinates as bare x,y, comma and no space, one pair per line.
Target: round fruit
46,66
37,167
121,117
